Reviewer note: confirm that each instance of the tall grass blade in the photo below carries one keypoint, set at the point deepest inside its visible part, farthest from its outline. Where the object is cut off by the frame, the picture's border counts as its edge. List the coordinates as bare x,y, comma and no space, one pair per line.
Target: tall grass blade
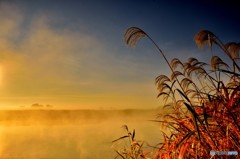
119,154
182,94
120,138
133,134
195,118
187,136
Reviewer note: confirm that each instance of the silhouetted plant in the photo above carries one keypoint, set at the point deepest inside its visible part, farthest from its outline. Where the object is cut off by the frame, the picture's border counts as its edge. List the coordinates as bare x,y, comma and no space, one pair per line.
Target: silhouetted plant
133,150
205,100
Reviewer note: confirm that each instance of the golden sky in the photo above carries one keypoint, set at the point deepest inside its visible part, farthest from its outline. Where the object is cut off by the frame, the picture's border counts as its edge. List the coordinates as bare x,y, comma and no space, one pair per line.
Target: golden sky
71,54
64,68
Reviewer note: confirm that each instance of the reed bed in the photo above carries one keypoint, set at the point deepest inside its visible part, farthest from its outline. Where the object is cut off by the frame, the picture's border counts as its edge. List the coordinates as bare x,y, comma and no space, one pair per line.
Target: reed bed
204,103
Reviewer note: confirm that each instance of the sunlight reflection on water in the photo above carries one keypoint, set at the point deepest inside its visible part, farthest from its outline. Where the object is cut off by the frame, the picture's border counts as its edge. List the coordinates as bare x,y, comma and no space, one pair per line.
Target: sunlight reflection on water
83,141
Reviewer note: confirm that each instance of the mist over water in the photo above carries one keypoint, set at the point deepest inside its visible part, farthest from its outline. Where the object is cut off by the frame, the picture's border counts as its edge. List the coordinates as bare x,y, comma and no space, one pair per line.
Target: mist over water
70,134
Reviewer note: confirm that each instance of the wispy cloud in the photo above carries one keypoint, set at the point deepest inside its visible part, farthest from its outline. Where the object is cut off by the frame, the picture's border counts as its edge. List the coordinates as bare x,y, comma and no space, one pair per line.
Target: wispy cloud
39,59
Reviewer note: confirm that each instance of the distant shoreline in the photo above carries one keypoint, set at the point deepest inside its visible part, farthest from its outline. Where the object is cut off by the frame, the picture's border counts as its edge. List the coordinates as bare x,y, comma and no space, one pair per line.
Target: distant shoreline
55,109
80,116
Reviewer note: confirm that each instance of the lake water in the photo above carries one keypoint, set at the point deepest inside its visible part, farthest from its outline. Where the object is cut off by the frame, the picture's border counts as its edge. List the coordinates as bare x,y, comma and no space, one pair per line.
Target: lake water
25,137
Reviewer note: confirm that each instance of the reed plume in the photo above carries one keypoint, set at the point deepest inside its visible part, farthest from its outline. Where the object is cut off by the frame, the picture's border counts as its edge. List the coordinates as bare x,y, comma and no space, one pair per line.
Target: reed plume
205,110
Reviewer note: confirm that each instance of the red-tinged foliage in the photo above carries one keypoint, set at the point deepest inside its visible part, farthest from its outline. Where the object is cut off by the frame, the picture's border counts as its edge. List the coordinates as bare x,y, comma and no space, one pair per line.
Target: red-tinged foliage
216,103
204,102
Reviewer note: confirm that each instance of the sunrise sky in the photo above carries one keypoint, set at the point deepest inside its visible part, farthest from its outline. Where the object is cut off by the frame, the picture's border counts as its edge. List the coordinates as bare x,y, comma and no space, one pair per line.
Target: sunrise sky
71,54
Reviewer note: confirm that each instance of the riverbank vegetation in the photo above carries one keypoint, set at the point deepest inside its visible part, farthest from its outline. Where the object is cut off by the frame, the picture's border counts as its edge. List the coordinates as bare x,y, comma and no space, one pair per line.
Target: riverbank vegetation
204,103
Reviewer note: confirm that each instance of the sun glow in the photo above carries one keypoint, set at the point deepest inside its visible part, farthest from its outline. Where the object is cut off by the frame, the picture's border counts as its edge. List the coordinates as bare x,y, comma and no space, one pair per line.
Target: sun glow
1,75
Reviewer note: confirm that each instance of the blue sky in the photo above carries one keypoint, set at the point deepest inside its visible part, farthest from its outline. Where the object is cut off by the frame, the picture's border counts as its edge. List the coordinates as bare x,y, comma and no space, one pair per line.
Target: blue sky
71,54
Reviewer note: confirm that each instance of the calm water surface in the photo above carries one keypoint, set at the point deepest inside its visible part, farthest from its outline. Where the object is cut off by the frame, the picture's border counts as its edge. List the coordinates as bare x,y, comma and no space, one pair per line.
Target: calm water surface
82,140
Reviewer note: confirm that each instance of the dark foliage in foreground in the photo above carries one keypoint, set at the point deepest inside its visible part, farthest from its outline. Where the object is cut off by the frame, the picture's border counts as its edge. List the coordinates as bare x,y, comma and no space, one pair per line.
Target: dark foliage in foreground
204,102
